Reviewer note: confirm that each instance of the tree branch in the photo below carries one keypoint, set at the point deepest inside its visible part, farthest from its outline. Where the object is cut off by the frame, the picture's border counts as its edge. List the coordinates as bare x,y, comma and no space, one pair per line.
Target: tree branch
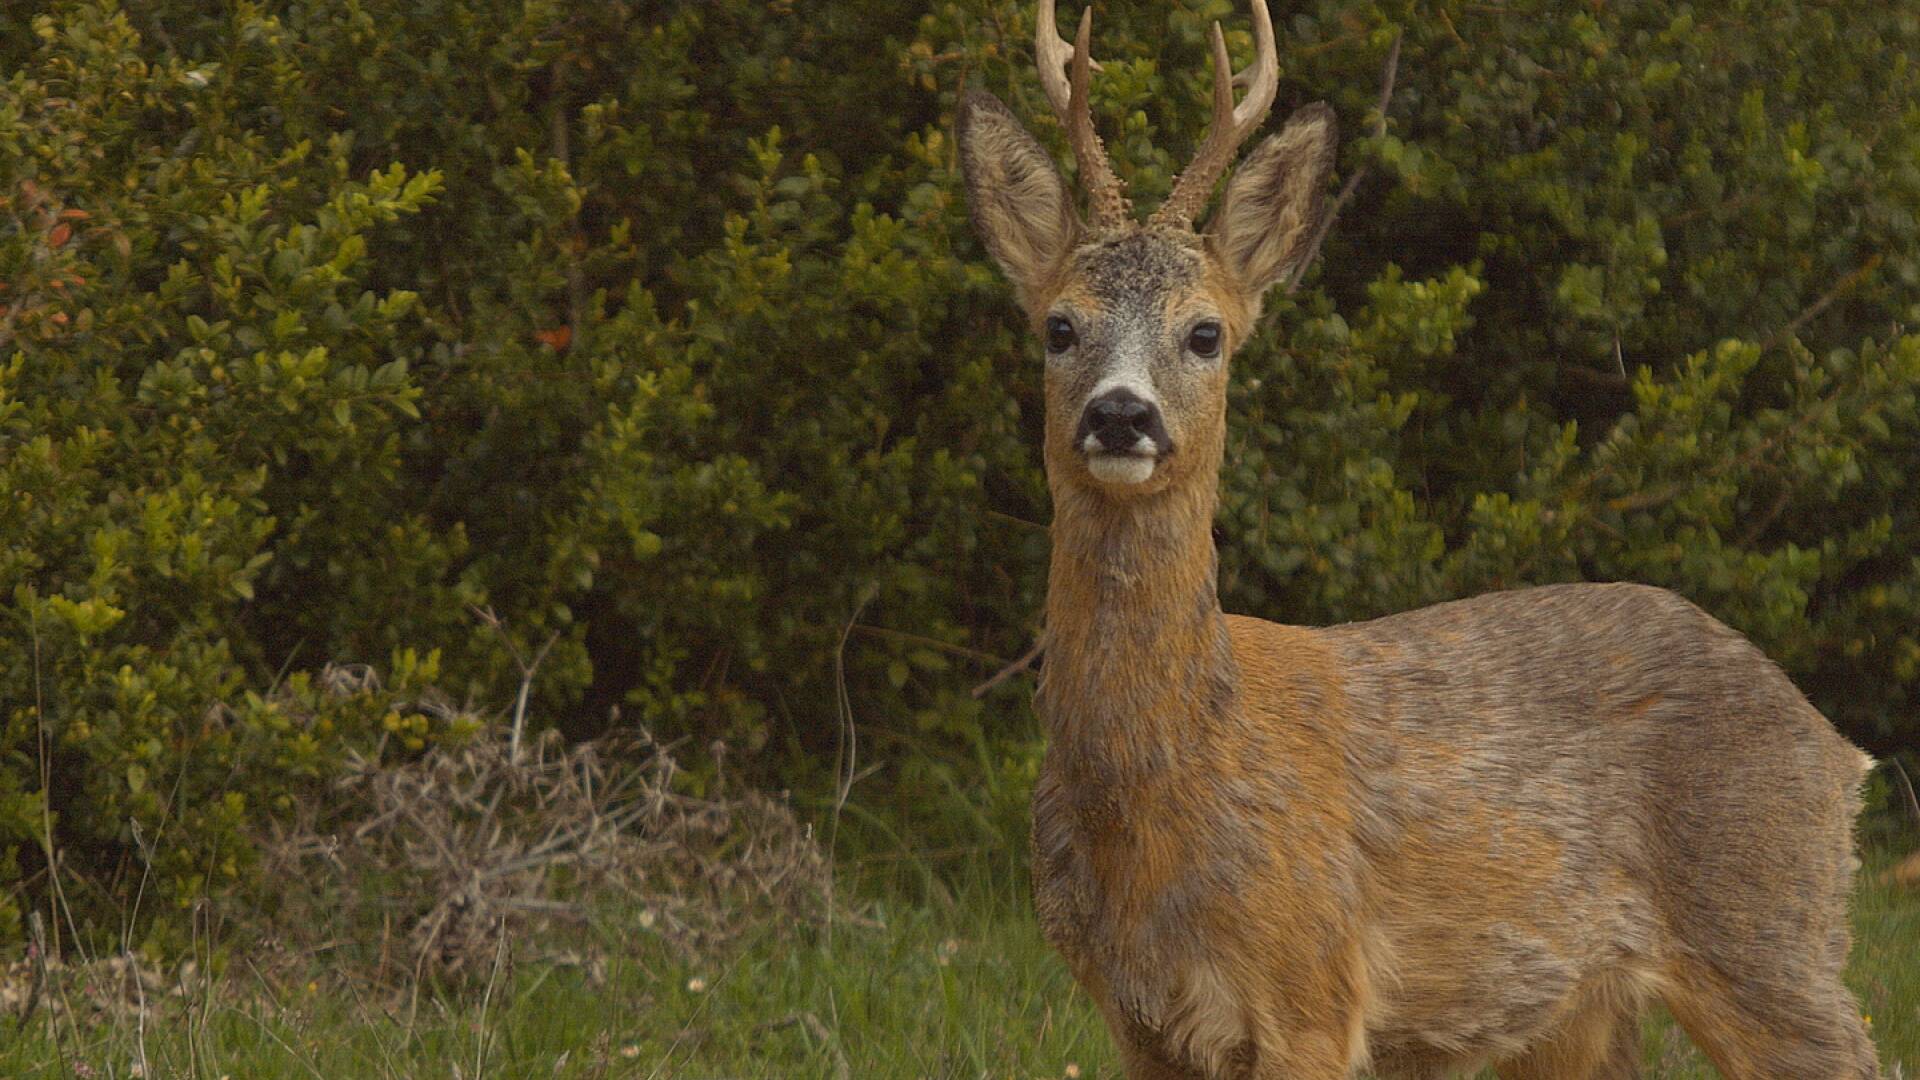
927,642
1026,661
1840,288
1389,71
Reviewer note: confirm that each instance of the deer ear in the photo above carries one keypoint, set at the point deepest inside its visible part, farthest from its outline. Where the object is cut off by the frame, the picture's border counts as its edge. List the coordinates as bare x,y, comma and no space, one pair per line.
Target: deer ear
1274,200
1020,205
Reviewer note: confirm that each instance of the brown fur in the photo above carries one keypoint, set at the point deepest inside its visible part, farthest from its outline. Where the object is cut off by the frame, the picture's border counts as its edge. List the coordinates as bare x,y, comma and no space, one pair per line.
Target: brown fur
1276,199
1482,832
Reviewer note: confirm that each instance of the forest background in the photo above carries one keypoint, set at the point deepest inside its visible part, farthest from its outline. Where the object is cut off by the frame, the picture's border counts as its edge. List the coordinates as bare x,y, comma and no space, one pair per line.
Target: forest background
374,376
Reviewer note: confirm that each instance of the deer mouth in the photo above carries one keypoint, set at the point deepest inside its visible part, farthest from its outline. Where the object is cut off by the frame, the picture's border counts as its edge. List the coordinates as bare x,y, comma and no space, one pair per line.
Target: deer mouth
1125,469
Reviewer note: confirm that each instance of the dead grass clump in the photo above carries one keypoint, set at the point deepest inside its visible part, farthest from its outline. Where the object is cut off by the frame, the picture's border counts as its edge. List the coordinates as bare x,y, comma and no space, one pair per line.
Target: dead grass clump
1905,873
122,989
434,866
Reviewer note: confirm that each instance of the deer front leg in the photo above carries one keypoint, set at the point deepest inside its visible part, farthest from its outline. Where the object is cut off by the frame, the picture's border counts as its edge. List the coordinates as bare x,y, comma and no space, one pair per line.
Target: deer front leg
1310,1026
1308,1055
1144,1053
1299,1055
1141,1063
1311,1058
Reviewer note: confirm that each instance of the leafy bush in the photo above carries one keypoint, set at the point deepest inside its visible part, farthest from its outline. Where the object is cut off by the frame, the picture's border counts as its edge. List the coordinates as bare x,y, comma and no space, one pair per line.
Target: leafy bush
658,331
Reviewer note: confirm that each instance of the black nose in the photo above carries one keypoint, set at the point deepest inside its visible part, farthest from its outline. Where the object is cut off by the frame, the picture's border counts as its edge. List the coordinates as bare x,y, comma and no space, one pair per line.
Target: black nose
1119,419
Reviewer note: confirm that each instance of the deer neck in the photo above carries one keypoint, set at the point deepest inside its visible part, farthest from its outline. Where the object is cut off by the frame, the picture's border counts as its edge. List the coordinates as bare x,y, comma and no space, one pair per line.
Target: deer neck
1139,674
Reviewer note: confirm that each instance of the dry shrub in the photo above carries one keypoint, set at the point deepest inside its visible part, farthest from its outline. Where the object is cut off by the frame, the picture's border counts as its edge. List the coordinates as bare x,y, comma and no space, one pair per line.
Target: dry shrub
448,858
438,866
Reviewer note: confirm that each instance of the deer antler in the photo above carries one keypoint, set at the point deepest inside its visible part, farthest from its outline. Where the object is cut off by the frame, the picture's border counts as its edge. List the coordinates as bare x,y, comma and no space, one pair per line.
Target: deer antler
1231,124
1106,195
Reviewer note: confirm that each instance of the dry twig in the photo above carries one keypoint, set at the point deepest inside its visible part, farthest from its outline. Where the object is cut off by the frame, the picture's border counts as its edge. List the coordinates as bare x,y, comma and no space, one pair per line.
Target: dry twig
1389,71
1026,661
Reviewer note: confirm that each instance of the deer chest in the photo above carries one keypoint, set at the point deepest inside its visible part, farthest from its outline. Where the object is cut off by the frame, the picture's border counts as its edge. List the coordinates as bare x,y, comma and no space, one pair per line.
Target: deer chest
1122,900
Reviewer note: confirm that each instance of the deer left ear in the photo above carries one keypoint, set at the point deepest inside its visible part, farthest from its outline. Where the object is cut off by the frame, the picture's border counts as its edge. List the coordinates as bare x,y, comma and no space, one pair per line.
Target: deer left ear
1020,205
1274,200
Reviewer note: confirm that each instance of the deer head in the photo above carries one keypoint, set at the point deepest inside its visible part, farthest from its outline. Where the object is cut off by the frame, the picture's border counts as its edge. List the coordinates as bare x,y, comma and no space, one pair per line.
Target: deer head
1139,320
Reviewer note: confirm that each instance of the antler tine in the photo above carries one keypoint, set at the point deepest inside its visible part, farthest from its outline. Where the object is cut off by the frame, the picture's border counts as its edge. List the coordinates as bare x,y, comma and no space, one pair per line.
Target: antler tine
1052,53
1064,76
1231,124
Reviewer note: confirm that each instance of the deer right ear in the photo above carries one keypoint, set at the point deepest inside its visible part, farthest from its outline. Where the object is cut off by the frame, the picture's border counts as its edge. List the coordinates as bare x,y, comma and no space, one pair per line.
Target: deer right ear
1020,205
1274,201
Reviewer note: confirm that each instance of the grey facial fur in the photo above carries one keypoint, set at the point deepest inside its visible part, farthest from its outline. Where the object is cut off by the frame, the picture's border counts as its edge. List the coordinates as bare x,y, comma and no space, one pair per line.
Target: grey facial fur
1125,338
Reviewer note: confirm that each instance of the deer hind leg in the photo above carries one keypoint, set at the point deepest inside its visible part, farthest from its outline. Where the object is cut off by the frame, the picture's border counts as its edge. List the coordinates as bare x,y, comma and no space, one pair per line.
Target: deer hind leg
1779,1029
1599,1042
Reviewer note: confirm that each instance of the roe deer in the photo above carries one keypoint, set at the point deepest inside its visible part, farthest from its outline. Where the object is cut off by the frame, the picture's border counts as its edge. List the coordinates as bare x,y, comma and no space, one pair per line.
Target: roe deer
1486,832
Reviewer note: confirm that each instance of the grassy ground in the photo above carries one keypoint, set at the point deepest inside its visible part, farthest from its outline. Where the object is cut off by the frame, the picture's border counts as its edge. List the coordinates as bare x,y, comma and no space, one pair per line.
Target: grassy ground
964,989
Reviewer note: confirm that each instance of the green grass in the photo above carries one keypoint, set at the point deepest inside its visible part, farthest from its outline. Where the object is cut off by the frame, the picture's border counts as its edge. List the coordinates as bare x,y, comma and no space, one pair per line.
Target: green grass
961,989
1884,975
1885,972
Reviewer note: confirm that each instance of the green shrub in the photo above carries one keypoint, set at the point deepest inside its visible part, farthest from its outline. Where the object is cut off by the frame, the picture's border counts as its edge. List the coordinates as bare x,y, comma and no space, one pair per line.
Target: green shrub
658,332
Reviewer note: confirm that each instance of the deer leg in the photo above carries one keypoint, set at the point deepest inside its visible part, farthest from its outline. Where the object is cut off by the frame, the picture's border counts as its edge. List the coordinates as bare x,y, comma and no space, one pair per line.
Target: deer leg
1138,1063
1600,1042
1778,1030
1309,1055
1307,1058
1142,1056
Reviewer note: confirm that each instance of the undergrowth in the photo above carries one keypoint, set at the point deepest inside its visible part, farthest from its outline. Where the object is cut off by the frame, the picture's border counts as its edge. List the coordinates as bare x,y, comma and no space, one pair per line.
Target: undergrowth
965,990
502,908
892,980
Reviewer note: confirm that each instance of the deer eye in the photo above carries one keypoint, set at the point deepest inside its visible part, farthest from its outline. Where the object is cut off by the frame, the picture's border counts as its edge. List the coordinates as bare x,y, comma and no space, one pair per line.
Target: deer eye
1060,335
1204,340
